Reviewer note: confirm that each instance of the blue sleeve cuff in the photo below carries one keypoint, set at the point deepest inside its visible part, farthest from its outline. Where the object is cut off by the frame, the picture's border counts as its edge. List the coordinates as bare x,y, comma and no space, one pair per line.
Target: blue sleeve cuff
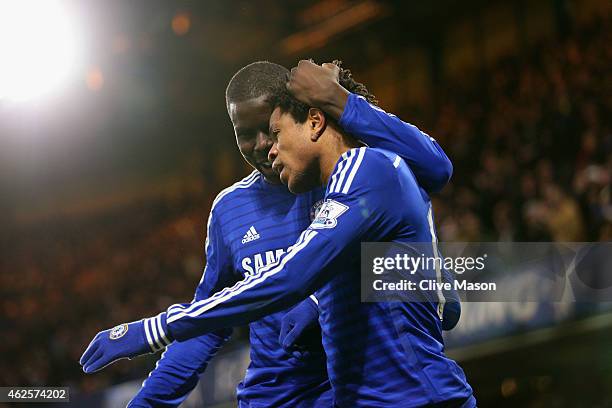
156,332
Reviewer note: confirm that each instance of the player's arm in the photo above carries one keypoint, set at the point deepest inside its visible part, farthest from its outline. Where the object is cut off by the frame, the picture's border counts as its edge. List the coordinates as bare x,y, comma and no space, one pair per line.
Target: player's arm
357,211
377,128
177,372
318,86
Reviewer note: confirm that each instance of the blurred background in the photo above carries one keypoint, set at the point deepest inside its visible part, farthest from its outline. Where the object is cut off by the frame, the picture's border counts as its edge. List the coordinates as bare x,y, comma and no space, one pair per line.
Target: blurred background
114,140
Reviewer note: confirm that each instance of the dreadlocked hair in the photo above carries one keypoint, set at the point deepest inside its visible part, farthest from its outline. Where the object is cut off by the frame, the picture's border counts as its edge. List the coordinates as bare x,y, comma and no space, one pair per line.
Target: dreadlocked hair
299,110
345,77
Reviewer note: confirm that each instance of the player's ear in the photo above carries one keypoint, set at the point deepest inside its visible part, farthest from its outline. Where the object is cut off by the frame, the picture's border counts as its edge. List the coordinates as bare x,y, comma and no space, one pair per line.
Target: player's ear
317,122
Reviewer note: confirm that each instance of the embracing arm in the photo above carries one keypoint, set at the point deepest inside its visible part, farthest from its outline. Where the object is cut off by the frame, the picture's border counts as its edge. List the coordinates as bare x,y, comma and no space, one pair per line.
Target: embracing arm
272,289
377,128
311,262
319,86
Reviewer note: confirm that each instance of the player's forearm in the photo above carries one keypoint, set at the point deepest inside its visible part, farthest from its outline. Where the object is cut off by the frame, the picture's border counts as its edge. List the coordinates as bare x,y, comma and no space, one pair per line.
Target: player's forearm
333,100
177,373
299,273
318,86
234,309
430,165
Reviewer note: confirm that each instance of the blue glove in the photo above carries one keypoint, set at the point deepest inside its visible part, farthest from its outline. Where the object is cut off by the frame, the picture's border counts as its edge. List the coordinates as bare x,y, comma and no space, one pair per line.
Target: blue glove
300,329
452,308
127,340
451,315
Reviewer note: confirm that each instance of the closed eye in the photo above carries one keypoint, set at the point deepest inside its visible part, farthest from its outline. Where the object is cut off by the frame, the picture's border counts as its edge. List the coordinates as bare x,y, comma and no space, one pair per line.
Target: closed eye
274,134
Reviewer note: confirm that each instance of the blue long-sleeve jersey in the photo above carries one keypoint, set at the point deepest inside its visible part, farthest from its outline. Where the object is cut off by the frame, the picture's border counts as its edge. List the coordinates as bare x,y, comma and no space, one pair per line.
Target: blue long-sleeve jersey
251,224
387,354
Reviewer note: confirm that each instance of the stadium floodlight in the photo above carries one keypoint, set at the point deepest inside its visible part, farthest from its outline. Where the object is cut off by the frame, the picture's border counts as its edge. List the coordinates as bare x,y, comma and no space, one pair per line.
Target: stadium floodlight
38,48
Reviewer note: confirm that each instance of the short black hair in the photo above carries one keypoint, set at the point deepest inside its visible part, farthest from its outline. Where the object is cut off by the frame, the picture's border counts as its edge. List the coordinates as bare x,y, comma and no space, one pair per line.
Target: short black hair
261,78
299,110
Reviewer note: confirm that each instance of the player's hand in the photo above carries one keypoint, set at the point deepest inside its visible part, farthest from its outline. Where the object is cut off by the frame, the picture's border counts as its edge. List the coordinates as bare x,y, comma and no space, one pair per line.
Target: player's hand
300,331
316,85
126,340
451,315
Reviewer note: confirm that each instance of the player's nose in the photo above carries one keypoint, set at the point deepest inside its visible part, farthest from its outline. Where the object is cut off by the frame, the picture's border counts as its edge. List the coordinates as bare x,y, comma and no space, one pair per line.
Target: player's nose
273,153
262,142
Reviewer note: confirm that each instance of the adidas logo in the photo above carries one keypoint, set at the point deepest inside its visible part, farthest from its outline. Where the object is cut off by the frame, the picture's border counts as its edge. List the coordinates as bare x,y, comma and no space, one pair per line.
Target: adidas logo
251,235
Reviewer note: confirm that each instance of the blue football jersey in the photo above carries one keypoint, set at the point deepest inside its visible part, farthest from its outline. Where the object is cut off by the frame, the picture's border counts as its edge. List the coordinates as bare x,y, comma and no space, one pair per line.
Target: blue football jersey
386,354
251,225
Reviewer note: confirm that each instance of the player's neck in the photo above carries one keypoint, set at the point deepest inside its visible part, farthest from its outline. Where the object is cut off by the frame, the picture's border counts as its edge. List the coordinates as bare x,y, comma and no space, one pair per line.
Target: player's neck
336,145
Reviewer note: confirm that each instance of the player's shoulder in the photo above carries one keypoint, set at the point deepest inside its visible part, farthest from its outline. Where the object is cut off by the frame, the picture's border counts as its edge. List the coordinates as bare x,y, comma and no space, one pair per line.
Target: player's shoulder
379,167
382,157
236,191
362,165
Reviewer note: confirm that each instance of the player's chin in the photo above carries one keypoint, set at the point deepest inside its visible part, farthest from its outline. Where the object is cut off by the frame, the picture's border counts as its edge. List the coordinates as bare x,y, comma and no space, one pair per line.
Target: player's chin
295,185
283,176
270,175
295,190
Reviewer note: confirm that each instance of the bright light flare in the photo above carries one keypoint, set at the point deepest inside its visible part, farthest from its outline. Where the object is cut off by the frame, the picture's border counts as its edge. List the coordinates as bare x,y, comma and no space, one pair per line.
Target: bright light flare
38,48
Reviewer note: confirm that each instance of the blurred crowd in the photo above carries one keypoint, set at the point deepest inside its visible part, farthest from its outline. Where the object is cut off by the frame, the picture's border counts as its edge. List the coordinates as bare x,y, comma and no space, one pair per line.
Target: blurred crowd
530,140
68,278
